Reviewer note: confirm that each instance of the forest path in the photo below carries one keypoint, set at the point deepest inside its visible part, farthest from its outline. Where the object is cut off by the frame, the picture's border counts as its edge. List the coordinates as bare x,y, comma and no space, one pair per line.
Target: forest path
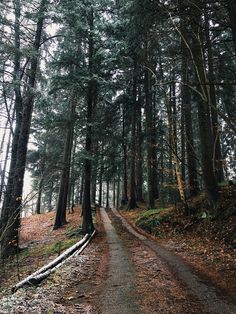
118,294
162,282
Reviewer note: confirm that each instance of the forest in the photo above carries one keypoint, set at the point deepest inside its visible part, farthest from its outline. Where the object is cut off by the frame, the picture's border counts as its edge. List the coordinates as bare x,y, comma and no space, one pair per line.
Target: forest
117,104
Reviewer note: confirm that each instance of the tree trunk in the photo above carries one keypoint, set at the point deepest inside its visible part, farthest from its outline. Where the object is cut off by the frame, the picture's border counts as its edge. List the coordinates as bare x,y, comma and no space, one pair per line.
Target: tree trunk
87,225
50,194
139,159
132,199
187,113
203,105
171,111
11,236
60,219
155,180
81,188
72,179
118,191
124,199
100,188
107,196
6,208
219,172
183,145
3,174
149,126
38,204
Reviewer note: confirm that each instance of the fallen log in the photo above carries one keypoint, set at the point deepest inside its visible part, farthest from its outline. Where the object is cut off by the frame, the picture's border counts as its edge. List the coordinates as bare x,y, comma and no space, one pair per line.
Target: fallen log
46,270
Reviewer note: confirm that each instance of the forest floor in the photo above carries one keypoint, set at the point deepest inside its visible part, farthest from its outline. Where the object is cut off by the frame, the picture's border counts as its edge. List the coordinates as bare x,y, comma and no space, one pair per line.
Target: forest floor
187,267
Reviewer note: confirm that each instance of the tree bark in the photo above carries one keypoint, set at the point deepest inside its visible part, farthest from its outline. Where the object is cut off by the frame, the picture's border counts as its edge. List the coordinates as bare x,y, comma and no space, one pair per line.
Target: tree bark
114,193
38,204
149,133
219,172
155,179
87,225
81,188
107,195
60,219
6,209
132,199
124,199
101,179
204,120
3,174
11,228
139,159
187,114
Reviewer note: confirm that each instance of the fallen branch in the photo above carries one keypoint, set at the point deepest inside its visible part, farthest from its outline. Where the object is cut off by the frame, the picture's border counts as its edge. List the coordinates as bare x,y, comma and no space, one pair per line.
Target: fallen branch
46,270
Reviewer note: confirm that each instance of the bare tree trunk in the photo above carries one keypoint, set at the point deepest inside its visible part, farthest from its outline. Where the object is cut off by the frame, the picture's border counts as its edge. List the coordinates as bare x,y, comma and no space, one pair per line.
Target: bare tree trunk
171,110
149,131
6,209
124,146
118,191
139,157
38,204
72,180
203,105
87,225
100,182
155,179
60,219
11,236
81,188
3,173
50,195
132,199
187,115
219,172
107,195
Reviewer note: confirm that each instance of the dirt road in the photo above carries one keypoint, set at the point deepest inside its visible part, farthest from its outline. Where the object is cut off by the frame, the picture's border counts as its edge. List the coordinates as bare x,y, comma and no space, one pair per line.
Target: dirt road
146,278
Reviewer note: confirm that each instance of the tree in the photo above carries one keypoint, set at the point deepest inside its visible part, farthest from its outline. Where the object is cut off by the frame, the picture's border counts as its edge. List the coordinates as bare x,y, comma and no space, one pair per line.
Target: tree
60,219
12,204
87,225
132,200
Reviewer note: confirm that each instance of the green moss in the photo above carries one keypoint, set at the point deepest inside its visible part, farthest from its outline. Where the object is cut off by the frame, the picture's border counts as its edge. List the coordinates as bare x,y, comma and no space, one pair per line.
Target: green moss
74,232
58,247
150,219
24,253
48,249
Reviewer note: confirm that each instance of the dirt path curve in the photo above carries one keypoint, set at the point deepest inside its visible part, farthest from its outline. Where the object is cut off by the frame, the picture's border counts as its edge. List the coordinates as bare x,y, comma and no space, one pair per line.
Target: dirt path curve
118,296
211,299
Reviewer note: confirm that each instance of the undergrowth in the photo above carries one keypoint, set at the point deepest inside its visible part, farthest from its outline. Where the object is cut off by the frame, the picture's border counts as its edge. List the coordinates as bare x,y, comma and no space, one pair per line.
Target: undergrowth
150,219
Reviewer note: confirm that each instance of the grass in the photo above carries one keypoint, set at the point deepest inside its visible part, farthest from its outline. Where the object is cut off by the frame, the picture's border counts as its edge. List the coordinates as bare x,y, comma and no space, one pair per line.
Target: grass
48,249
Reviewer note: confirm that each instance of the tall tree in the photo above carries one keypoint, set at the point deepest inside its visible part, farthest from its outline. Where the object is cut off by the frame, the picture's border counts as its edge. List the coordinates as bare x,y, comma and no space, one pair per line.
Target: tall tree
87,225
132,199
10,226
194,11
60,219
